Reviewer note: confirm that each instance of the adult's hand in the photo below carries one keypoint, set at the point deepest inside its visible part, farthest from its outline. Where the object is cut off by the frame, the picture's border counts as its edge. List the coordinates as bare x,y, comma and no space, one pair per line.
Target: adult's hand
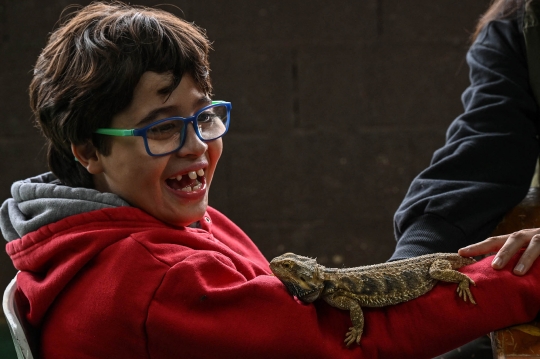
506,246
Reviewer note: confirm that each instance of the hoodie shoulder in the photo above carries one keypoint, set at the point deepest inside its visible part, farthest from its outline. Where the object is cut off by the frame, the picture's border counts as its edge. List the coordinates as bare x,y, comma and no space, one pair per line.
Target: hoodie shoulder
43,199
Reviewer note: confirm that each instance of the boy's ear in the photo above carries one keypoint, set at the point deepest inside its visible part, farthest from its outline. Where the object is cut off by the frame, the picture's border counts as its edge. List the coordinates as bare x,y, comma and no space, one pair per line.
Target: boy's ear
88,156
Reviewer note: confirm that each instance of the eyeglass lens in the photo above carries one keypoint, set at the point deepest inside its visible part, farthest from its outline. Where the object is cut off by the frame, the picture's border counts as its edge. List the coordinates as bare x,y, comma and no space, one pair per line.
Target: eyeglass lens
167,136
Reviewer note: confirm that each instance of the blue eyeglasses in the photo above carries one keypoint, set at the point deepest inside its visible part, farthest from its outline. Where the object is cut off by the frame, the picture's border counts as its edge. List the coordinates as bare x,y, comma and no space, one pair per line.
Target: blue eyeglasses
169,134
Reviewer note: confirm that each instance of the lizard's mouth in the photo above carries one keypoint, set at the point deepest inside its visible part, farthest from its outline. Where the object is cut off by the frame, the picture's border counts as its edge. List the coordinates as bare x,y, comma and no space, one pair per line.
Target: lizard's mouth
305,295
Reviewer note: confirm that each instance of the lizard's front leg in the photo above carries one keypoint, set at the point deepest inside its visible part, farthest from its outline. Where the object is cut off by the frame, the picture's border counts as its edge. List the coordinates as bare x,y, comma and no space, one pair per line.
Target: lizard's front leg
441,269
343,302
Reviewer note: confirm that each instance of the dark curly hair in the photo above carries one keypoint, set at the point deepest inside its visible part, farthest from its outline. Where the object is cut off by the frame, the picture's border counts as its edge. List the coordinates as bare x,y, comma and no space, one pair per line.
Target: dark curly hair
87,73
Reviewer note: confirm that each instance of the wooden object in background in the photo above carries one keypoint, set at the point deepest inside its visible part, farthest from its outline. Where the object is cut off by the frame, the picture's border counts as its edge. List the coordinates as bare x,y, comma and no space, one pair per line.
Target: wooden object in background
521,341
525,215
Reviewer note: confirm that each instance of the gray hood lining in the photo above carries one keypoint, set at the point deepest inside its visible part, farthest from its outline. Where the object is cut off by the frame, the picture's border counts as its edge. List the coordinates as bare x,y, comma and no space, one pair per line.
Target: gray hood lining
42,200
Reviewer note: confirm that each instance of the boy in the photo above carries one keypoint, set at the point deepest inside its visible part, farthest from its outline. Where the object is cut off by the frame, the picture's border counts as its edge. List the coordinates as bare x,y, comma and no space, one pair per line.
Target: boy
119,253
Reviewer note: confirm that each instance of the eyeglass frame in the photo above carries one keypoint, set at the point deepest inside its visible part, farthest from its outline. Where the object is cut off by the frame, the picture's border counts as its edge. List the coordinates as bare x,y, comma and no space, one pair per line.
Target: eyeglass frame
120,132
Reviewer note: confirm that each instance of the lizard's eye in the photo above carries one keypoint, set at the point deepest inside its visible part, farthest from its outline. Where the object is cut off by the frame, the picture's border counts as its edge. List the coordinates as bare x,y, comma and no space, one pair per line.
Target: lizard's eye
287,265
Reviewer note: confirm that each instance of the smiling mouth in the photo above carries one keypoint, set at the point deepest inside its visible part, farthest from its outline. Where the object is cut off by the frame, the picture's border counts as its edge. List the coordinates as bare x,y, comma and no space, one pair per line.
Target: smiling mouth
188,182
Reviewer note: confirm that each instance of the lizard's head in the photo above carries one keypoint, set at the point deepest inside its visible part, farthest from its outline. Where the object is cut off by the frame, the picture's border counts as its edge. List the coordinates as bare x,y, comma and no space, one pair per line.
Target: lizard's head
299,274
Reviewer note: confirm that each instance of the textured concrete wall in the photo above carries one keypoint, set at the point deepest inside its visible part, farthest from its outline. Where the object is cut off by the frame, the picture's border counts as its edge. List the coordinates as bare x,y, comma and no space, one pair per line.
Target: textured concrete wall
336,107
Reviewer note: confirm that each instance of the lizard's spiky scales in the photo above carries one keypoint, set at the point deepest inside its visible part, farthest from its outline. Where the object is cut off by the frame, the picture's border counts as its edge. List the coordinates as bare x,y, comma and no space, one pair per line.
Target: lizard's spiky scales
376,285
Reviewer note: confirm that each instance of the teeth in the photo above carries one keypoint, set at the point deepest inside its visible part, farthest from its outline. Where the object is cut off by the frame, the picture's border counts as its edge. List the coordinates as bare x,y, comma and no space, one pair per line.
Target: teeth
193,175
196,187
186,189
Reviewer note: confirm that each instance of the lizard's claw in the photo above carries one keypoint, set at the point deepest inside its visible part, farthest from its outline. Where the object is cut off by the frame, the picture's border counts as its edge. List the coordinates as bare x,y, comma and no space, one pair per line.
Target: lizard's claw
464,291
353,335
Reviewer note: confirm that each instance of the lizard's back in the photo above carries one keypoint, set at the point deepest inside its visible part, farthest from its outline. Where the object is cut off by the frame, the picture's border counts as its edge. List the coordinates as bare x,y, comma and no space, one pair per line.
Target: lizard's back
388,283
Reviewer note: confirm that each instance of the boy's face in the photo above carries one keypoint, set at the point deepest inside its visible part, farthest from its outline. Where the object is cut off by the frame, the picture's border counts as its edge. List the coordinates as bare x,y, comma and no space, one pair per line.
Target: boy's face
151,183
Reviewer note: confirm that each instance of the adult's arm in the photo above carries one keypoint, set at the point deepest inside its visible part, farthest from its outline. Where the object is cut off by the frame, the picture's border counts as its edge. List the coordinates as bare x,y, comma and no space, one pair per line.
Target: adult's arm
204,308
485,167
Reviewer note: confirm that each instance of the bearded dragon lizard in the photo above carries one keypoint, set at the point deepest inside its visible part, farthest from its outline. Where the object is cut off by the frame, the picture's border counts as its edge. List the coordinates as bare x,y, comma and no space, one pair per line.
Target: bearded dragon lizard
376,285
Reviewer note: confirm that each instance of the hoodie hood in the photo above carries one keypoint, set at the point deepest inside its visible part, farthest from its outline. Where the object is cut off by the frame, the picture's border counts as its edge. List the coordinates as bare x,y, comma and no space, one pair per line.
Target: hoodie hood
43,199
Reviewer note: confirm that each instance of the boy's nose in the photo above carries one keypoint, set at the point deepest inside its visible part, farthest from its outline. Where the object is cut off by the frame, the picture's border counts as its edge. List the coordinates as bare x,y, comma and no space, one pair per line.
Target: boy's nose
193,145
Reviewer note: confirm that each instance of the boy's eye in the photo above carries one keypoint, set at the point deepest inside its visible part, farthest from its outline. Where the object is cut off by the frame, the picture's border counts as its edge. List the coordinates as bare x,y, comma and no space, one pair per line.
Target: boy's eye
167,126
206,117
164,130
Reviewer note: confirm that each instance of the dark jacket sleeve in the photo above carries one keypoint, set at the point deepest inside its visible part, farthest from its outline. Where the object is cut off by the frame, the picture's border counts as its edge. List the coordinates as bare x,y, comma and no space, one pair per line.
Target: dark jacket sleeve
486,165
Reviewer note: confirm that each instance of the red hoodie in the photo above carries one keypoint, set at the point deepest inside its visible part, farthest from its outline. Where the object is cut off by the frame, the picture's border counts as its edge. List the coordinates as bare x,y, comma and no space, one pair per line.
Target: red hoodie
117,283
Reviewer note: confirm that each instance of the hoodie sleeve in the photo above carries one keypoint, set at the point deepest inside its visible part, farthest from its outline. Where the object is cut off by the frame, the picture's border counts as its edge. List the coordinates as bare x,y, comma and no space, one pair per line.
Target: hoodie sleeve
486,165
205,309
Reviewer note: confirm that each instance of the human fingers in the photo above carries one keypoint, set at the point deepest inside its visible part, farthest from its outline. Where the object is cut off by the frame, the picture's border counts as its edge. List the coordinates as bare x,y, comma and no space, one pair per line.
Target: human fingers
531,253
515,242
489,245
506,246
